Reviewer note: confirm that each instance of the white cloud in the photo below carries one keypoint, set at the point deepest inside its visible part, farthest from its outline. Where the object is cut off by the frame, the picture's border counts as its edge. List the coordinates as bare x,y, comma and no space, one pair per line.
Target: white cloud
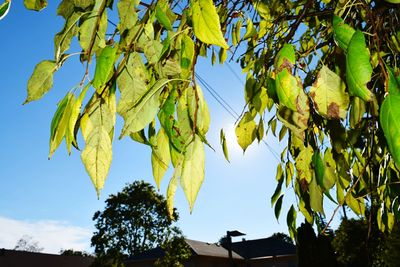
51,235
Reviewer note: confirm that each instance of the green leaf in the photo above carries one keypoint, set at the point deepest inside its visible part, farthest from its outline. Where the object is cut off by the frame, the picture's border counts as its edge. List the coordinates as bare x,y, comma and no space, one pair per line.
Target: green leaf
206,24
75,111
66,8
296,121
356,204
279,173
330,175
285,58
303,164
304,209
318,167
316,196
389,119
193,170
260,130
160,157
329,95
62,40
393,1
289,169
41,80
184,134
4,8
223,144
132,83
288,88
127,14
163,18
36,5
83,3
222,54
342,32
59,123
357,111
358,67
277,192
278,207
291,221
198,109
250,30
187,56
393,83
93,28
246,131
104,67
144,110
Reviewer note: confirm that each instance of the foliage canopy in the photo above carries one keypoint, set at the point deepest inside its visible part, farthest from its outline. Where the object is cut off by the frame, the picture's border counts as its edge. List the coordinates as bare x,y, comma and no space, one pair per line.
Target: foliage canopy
134,220
322,76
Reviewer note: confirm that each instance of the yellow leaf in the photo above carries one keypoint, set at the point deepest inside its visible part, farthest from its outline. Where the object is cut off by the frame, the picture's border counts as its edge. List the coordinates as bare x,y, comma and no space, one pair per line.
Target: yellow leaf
206,24
160,157
246,131
193,170
97,156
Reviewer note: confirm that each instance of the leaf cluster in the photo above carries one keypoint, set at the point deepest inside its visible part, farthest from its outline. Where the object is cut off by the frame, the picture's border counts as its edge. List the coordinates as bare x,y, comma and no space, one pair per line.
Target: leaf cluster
321,76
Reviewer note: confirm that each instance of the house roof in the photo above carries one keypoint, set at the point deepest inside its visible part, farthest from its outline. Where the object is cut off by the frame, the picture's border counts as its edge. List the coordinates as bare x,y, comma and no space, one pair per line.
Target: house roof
210,249
151,254
15,258
198,248
265,247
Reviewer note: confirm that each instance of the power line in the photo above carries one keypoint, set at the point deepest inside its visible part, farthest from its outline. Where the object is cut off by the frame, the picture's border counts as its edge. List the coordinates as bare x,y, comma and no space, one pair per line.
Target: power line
216,95
235,74
225,105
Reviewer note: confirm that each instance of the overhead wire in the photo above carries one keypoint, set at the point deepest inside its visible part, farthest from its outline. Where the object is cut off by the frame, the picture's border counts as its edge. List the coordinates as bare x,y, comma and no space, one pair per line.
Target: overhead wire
228,108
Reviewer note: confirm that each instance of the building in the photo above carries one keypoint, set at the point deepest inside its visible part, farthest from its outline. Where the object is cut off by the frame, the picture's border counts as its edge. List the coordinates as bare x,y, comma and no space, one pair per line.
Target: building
203,254
16,258
265,252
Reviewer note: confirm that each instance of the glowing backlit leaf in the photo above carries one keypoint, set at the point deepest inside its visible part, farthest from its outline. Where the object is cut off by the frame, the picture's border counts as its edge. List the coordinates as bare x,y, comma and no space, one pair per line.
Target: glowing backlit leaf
342,32
160,157
246,131
358,67
206,24
193,170
36,5
329,95
389,118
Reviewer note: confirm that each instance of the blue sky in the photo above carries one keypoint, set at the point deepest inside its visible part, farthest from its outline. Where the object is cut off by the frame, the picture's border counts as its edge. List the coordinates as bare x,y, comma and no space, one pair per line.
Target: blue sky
54,200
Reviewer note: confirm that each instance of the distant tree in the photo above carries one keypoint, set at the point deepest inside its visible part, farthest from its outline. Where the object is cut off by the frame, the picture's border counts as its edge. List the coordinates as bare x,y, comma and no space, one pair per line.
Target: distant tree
26,243
134,220
177,251
282,236
359,243
223,241
71,252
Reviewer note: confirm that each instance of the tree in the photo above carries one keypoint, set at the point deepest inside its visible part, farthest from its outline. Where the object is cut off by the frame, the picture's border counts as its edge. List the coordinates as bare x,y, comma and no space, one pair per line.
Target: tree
322,76
358,242
176,250
72,252
283,237
26,243
134,220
